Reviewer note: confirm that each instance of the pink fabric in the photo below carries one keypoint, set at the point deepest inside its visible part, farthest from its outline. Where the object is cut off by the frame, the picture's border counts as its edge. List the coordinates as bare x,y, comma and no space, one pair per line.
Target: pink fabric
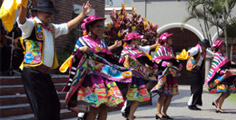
164,36
90,19
203,54
164,56
96,43
217,68
132,36
134,52
222,72
164,63
217,43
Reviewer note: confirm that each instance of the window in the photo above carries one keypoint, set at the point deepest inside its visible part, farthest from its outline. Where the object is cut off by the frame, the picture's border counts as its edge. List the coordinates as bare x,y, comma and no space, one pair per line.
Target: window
118,2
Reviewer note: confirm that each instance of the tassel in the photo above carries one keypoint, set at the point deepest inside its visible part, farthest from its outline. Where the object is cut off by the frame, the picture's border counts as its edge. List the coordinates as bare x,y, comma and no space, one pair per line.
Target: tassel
85,33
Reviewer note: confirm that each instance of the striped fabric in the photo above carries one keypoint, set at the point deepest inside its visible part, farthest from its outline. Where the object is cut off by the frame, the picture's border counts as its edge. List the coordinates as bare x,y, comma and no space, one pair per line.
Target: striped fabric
134,52
96,46
218,61
163,53
167,82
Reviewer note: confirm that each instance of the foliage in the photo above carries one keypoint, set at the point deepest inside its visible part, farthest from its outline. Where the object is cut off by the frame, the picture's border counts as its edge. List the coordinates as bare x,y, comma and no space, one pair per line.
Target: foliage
231,28
212,13
124,23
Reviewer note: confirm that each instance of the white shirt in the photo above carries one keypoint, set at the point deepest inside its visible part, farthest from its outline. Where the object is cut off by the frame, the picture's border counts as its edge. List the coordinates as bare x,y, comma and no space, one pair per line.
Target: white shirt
145,49
60,29
194,50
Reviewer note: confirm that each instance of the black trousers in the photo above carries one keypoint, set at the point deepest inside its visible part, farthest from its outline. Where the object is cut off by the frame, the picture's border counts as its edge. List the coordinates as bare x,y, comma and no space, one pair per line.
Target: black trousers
196,82
41,94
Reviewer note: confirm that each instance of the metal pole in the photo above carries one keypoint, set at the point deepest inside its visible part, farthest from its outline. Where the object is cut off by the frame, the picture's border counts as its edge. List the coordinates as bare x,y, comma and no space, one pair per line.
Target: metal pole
145,8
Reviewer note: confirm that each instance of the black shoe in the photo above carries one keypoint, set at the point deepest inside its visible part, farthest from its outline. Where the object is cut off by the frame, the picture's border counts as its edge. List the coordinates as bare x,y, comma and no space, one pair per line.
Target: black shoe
194,107
219,111
125,115
167,117
157,117
214,104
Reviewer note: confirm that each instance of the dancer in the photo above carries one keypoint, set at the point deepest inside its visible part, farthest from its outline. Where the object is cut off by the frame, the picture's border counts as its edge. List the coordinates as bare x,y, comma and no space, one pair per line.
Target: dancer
39,37
132,56
126,108
92,79
167,85
221,77
194,66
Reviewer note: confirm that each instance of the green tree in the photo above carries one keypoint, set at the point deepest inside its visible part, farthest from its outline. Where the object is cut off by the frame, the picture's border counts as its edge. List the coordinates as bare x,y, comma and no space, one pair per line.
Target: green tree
212,13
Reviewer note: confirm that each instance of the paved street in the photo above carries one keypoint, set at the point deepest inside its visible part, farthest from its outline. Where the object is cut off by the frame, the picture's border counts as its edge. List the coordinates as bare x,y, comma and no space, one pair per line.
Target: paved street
179,111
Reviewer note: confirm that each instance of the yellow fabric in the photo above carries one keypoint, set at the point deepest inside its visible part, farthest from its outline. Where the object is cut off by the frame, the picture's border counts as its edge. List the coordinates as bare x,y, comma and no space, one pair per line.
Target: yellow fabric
8,12
157,47
65,65
149,56
183,55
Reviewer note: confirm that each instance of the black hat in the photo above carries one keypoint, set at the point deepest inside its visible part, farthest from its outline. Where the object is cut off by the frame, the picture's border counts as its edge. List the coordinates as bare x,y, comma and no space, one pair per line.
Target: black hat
46,6
205,42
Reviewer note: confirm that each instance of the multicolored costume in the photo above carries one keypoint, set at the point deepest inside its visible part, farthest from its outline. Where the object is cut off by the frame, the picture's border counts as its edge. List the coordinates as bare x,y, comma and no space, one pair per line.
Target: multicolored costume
136,59
167,82
92,79
218,81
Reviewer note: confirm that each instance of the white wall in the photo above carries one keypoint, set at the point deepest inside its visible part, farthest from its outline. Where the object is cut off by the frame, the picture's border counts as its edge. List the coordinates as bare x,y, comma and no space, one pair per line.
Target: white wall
167,12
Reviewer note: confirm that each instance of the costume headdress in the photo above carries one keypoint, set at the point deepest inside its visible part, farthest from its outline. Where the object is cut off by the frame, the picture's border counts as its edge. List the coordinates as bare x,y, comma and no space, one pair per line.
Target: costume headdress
132,36
164,36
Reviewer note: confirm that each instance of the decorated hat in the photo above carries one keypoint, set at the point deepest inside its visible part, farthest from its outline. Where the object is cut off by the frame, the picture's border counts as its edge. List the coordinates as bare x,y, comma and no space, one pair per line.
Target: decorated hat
88,20
46,6
132,36
205,42
164,36
217,43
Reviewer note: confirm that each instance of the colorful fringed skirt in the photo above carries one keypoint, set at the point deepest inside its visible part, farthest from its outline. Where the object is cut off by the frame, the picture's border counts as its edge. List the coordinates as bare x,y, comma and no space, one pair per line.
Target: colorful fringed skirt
169,87
96,90
137,91
219,85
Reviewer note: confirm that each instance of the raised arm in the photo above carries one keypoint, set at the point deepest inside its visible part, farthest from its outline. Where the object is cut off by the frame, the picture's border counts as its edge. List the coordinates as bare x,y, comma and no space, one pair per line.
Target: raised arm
153,46
115,45
74,22
23,12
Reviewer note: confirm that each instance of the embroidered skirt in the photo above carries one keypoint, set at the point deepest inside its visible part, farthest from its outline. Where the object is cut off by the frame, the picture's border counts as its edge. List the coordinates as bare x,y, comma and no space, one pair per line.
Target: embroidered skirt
168,86
96,90
219,85
137,91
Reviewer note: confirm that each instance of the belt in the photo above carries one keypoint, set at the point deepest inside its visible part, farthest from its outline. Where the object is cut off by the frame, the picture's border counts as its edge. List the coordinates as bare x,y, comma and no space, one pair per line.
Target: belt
42,68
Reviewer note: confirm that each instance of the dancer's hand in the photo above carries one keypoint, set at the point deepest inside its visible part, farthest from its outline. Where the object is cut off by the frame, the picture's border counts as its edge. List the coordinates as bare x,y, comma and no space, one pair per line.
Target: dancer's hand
84,49
24,3
169,64
117,43
87,8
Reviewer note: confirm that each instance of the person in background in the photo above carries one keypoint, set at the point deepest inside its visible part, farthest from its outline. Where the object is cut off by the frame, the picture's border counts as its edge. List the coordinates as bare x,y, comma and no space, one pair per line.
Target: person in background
198,54
221,77
39,35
